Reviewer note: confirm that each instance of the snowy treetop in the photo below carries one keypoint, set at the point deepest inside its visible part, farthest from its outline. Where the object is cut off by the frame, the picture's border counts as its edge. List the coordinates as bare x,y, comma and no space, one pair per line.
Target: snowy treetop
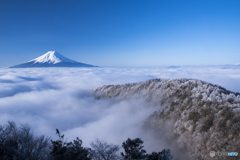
200,116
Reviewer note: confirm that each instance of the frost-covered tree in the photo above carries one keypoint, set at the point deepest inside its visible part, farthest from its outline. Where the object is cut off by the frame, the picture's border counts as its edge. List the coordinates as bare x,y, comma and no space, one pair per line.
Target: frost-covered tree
201,113
21,144
101,150
61,150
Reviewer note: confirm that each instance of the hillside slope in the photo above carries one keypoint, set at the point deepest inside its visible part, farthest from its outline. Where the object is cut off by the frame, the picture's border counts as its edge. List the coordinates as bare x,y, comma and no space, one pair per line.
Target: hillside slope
204,117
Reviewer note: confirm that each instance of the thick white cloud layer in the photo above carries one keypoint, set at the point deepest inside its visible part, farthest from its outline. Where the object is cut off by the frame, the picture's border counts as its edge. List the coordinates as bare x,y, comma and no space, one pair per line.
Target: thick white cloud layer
50,98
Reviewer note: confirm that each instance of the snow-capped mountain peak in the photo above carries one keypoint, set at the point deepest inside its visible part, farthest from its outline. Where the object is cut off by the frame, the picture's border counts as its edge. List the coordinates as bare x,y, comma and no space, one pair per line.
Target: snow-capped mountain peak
52,57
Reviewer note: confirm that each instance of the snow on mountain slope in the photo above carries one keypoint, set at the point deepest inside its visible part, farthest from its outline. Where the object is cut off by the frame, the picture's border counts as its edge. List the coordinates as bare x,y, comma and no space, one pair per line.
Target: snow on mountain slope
200,117
52,59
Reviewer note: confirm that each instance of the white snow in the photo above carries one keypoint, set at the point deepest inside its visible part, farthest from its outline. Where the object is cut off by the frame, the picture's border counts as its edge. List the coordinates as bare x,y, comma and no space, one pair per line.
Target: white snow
180,99
52,57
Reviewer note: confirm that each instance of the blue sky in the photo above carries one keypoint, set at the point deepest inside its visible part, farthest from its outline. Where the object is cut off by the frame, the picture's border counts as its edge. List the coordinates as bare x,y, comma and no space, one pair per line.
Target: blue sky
134,33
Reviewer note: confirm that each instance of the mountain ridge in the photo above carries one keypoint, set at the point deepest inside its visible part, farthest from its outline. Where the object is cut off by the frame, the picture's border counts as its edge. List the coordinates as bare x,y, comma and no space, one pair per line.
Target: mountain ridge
200,117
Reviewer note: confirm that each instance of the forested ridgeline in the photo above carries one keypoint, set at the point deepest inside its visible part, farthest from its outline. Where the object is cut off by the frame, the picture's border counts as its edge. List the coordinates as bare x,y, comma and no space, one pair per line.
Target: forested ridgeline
198,116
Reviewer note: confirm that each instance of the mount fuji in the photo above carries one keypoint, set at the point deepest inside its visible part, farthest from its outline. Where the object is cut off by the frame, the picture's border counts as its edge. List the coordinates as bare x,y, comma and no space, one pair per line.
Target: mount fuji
52,59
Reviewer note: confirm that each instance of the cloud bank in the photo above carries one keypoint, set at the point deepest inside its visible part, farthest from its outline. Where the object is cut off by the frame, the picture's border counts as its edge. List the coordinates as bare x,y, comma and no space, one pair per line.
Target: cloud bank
50,98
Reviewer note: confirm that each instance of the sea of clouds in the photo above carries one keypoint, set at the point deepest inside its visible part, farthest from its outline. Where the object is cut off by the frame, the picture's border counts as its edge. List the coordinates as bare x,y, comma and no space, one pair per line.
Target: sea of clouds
50,98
